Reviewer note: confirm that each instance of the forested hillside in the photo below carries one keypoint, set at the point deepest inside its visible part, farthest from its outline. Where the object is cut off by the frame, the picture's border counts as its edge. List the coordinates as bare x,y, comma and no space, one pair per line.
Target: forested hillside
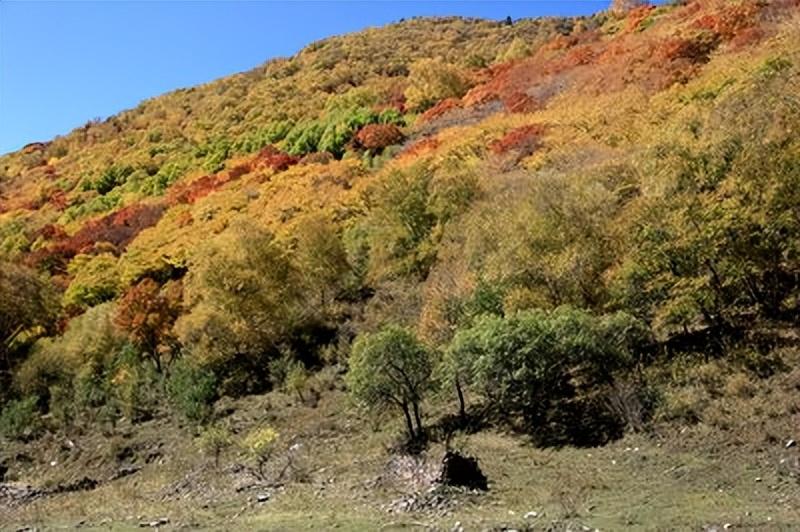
570,229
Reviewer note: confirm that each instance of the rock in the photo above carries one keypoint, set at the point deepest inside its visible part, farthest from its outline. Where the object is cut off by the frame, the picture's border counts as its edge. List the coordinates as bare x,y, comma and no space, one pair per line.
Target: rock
459,470
759,479
124,471
3,471
727,526
790,444
531,515
263,497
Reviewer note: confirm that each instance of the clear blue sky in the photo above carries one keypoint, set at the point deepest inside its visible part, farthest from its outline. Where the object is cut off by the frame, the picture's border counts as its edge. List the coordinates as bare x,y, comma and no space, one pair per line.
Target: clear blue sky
63,63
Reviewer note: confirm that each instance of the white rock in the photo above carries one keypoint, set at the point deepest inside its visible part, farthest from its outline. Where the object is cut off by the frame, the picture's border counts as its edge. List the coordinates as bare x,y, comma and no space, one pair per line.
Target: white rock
790,444
531,515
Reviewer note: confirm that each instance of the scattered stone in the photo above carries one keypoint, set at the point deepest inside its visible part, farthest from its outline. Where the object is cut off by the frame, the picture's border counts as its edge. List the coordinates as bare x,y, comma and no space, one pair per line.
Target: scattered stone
531,515
263,497
790,444
83,484
459,470
155,523
759,479
727,526
125,471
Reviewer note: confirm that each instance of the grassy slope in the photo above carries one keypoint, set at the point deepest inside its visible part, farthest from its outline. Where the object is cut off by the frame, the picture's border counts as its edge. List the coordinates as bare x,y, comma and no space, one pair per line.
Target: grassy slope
723,469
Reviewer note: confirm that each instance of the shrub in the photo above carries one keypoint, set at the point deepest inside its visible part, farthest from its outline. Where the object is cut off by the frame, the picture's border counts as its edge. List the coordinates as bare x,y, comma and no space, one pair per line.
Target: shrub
526,363
192,390
20,419
259,445
213,440
391,369
111,178
375,137
96,280
431,80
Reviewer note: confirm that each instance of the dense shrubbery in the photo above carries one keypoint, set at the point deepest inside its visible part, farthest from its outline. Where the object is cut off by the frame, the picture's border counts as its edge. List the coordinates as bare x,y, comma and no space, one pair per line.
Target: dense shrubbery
527,363
518,257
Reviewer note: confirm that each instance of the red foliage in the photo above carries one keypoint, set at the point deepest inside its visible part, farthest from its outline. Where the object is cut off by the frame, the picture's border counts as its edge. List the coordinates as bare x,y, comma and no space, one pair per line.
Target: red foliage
146,313
59,200
519,102
440,109
191,192
523,141
117,229
377,136
238,171
272,157
52,232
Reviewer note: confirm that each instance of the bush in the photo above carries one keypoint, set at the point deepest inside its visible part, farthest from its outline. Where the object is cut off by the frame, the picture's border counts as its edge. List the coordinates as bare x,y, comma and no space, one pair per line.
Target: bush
432,80
192,390
259,445
20,419
213,440
526,363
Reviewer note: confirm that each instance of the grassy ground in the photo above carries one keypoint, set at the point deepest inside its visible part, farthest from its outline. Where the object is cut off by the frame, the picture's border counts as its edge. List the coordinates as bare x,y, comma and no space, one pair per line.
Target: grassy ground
731,466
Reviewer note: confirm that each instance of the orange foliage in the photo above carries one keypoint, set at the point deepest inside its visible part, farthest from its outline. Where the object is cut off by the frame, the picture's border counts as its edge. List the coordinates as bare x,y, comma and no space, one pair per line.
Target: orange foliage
147,312
440,109
375,137
522,140
272,157
421,147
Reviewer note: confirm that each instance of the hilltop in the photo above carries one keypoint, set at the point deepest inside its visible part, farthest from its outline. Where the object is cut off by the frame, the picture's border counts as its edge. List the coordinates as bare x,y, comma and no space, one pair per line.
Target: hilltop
568,246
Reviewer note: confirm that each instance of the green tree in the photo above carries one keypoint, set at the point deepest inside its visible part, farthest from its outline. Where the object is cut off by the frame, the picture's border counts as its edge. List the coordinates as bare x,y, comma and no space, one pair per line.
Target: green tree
28,308
391,368
525,363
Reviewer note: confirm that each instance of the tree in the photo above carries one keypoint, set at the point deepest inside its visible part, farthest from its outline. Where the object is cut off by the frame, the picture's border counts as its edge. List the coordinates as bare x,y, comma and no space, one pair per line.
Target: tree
245,299
526,363
28,308
146,313
432,80
391,368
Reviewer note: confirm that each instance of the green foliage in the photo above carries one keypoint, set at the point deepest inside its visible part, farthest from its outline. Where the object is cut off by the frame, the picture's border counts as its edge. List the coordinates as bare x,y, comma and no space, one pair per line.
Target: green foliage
110,179
525,363
27,309
20,419
391,368
192,390
95,281
213,440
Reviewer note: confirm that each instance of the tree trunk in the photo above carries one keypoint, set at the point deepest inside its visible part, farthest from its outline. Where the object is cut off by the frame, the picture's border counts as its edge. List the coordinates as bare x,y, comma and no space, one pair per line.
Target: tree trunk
462,408
418,418
409,423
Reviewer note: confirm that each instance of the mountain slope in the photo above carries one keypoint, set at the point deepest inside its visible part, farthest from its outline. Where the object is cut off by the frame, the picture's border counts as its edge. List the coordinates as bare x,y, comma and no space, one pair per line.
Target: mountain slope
625,184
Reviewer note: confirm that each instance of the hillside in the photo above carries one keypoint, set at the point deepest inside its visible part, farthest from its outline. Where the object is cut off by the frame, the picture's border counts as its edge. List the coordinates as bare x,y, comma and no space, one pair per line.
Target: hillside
555,244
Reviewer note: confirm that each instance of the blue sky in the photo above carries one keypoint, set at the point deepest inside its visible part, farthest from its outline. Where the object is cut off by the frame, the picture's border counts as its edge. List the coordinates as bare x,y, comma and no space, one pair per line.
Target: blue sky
63,63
